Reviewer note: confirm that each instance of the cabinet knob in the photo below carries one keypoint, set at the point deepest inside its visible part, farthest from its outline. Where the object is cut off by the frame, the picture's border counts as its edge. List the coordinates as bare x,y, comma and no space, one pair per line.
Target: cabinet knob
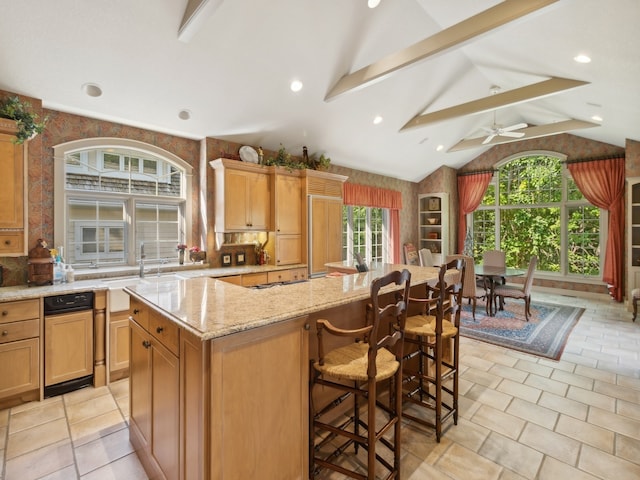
136,311
5,313
146,343
7,242
5,333
159,329
307,326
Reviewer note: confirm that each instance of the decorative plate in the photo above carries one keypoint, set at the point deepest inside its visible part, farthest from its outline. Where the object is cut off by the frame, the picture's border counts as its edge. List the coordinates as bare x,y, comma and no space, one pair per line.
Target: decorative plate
248,154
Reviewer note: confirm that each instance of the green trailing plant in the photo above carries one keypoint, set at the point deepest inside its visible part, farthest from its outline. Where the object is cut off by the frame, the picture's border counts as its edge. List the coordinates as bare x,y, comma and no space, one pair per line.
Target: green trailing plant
26,121
285,159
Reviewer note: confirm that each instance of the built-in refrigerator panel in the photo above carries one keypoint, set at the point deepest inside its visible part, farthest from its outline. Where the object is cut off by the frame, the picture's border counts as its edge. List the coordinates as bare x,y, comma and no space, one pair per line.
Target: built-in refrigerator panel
324,233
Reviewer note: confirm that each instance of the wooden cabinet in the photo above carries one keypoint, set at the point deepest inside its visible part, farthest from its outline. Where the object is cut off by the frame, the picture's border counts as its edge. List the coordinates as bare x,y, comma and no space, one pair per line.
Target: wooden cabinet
242,196
155,396
289,275
325,233
68,352
433,227
118,345
19,349
322,242
259,403
13,192
633,236
287,209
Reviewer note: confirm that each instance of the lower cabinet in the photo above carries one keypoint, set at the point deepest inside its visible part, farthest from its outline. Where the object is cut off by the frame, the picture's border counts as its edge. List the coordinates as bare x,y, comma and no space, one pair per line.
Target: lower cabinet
19,351
155,405
233,407
118,345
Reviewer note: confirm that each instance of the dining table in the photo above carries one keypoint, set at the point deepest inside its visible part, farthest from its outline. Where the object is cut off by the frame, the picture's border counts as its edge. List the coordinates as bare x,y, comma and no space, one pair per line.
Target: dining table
491,274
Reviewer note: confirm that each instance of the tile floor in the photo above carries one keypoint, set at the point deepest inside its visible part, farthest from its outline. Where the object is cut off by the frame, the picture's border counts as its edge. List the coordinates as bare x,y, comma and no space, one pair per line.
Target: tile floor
522,417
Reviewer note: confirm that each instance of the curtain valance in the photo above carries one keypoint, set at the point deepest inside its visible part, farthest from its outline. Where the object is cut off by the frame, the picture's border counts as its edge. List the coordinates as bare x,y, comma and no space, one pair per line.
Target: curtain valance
366,196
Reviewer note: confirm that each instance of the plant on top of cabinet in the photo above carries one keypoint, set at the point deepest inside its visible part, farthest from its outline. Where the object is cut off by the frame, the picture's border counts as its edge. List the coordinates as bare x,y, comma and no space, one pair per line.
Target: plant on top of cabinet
26,121
285,159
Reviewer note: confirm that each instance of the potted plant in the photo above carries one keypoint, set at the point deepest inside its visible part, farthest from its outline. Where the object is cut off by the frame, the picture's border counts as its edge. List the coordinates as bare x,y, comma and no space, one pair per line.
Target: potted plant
27,123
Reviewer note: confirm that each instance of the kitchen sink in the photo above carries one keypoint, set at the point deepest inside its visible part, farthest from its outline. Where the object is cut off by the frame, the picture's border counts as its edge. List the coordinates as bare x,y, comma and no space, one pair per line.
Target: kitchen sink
119,300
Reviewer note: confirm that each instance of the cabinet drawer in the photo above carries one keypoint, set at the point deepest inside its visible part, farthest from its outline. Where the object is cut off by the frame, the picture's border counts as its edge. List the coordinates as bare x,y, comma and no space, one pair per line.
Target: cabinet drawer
140,313
19,330
11,242
19,310
251,279
280,276
164,330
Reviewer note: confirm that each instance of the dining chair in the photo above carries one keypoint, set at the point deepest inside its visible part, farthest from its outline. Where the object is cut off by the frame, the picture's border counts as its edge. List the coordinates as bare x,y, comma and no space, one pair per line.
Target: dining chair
521,292
493,258
356,370
471,290
430,369
426,258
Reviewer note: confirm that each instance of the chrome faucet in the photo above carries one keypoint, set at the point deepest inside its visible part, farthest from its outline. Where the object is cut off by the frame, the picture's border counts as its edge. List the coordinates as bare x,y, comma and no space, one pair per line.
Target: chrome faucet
142,257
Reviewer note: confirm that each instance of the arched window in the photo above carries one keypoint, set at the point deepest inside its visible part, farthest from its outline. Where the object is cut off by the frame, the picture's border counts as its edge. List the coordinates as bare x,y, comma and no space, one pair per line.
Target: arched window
114,195
533,206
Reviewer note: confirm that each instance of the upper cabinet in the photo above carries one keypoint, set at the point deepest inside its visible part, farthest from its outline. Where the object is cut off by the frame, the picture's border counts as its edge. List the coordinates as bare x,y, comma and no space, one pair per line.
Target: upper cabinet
12,194
433,229
287,211
242,196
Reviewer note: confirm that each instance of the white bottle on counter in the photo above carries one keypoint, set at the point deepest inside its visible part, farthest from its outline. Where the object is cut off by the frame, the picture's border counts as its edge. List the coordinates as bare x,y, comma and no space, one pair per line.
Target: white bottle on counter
70,274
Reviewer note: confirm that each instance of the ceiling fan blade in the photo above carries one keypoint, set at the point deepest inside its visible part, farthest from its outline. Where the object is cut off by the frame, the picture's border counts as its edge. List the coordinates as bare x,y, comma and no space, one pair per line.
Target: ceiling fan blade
517,126
488,139
511,134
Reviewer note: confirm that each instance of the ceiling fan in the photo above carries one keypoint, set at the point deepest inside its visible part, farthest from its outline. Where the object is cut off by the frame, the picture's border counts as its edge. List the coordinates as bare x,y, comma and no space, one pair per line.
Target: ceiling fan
500,131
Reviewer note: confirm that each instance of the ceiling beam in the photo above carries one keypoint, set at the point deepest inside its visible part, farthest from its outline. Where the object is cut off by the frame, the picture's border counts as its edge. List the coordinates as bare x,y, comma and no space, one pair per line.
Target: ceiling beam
531,132
453,36
499,100
195,14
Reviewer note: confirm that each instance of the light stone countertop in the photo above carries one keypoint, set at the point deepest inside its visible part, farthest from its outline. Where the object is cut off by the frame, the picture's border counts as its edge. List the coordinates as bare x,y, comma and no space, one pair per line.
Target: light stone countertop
99,279
212,308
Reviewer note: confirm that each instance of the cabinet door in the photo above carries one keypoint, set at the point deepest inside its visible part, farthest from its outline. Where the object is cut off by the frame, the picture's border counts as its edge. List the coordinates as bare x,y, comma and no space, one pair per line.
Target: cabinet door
259,202
288,205
118,344
236,200
288,249
326,233
259,403
165,400
12,191
68,352
19,367
140,383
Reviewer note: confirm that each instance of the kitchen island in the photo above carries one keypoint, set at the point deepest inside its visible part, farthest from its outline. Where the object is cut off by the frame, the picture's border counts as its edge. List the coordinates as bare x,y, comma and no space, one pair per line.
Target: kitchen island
219,373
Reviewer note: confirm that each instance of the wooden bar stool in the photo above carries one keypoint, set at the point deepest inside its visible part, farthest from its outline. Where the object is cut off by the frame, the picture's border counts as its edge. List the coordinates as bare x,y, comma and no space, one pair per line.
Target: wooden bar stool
427,373
635,296
355,372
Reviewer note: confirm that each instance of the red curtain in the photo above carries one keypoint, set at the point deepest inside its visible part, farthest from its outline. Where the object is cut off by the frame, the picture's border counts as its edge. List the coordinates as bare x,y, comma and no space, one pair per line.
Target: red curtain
602,184
471,189
365,196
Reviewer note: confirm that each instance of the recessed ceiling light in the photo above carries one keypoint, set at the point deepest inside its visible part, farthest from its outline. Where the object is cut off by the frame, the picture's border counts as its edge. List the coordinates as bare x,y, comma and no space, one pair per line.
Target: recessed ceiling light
373,3
439,148
582,58
377,120
184,115
596,118
92,89
296,86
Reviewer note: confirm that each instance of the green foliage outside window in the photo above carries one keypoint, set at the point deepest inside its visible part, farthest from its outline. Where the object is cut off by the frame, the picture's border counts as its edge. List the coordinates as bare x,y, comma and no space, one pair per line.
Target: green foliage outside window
530,210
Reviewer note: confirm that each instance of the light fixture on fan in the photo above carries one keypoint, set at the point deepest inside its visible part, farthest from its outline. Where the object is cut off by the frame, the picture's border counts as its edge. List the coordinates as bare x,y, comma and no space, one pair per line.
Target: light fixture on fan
373,3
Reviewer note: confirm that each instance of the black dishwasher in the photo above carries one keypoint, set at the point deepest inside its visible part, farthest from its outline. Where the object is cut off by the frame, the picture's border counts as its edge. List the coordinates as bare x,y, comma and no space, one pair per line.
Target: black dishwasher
68,342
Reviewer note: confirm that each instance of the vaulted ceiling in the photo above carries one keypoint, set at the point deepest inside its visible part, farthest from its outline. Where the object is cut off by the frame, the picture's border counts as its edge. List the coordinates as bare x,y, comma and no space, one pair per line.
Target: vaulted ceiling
427,67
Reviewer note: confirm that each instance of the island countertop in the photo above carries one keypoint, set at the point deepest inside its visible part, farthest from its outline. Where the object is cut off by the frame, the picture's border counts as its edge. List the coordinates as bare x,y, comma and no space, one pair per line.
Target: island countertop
212,308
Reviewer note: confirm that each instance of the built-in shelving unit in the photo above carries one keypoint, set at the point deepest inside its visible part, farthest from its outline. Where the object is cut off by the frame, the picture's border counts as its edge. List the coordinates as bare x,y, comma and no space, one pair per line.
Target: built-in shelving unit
433,228
633,229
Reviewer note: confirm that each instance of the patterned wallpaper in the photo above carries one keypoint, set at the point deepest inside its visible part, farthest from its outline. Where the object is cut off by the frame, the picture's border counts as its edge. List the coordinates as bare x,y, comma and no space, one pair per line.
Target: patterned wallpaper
64,127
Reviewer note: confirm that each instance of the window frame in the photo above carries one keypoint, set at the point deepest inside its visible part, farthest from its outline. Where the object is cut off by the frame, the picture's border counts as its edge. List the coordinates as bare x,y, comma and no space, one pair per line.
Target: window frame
348,234
62,195
564,206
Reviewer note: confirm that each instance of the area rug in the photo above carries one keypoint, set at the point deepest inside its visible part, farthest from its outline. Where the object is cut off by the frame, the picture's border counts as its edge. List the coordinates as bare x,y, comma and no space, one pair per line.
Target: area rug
545,334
